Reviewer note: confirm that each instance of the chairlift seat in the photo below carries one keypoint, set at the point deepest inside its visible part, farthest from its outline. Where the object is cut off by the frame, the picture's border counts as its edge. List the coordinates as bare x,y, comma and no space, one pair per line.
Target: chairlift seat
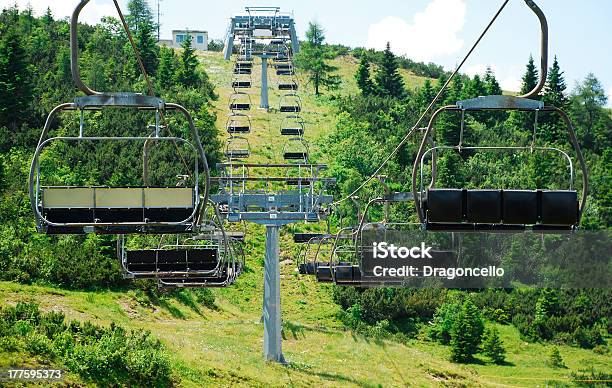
343,273
285,72
283,66
231,154
149,261
301,238
241,84
238,129
288,86
444,205
311,268
292,131
92,205
490,210
559,207
290,108
239,70
483,206
520,207
324,273
293,155
240,106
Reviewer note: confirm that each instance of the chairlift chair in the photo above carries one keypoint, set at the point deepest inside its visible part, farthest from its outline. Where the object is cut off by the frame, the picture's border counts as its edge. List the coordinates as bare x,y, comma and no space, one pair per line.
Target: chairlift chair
457,208
208,259
238,123
111,209
237,147
290,103
296,149
292,125
240,101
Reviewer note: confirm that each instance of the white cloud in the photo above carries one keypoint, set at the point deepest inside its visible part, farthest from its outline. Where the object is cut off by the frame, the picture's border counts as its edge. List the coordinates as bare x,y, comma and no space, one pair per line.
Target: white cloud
432,32
61,8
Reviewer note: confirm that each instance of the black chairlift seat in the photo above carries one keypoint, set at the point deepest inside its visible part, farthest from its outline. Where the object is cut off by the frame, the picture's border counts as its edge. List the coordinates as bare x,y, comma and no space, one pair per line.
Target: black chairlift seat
301,238
295,155
126,208
324,273
288,86
347,274
240,106
240,70
237,154
474,209
150,263
241,84
277,41
283,66
238,128
292,131
280,59
285,72
290,108
298,182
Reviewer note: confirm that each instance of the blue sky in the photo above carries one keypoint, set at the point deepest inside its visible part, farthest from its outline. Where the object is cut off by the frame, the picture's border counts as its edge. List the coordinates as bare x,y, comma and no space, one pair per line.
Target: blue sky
440,31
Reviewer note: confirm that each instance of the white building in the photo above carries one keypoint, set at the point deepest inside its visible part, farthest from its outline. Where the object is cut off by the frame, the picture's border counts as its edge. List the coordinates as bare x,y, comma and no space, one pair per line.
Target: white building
199,39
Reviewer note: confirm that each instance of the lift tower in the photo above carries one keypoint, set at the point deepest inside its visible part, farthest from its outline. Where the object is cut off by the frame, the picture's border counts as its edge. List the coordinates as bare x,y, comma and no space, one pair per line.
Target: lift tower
271,194
260,31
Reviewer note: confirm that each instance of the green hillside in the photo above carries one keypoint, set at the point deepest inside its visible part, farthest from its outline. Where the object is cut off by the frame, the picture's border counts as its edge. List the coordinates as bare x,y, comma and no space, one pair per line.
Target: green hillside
65,305
222,346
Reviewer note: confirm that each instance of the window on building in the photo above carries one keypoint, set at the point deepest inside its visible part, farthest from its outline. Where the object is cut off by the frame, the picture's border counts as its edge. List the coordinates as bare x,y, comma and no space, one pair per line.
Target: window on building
200,39
180,38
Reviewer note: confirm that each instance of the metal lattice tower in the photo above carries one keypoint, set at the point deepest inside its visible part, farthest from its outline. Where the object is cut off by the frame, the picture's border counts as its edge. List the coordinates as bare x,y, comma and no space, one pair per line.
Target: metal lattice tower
273,194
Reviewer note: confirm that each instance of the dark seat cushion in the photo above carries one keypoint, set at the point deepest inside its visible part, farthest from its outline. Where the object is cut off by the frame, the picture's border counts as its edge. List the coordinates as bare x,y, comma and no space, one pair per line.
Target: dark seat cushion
444,205
483,206
324,273
343,273
520,207
559,207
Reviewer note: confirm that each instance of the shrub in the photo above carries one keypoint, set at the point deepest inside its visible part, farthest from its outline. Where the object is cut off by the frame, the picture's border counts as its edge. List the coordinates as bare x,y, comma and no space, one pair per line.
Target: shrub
443,322
466,332
554,358
493,347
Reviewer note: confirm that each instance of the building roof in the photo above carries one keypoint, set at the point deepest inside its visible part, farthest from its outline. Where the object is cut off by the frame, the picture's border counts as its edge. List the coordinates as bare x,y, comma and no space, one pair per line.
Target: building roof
191,31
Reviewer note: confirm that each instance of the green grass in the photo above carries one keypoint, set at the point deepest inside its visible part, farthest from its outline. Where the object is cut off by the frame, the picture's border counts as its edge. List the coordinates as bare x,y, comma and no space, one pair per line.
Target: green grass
224,346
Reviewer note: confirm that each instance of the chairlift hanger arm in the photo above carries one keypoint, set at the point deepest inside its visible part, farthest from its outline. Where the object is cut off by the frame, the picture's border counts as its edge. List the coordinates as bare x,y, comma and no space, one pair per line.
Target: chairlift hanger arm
543,49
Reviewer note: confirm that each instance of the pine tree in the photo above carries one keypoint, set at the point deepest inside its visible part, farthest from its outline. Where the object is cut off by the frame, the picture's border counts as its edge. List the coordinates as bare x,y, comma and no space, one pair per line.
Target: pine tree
530,78
475,88
139,14
493,347
166,72
554,91
312,58
554,358
187,73
426,94
363,77
16,89
389,82
466,333
490,83
147,46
